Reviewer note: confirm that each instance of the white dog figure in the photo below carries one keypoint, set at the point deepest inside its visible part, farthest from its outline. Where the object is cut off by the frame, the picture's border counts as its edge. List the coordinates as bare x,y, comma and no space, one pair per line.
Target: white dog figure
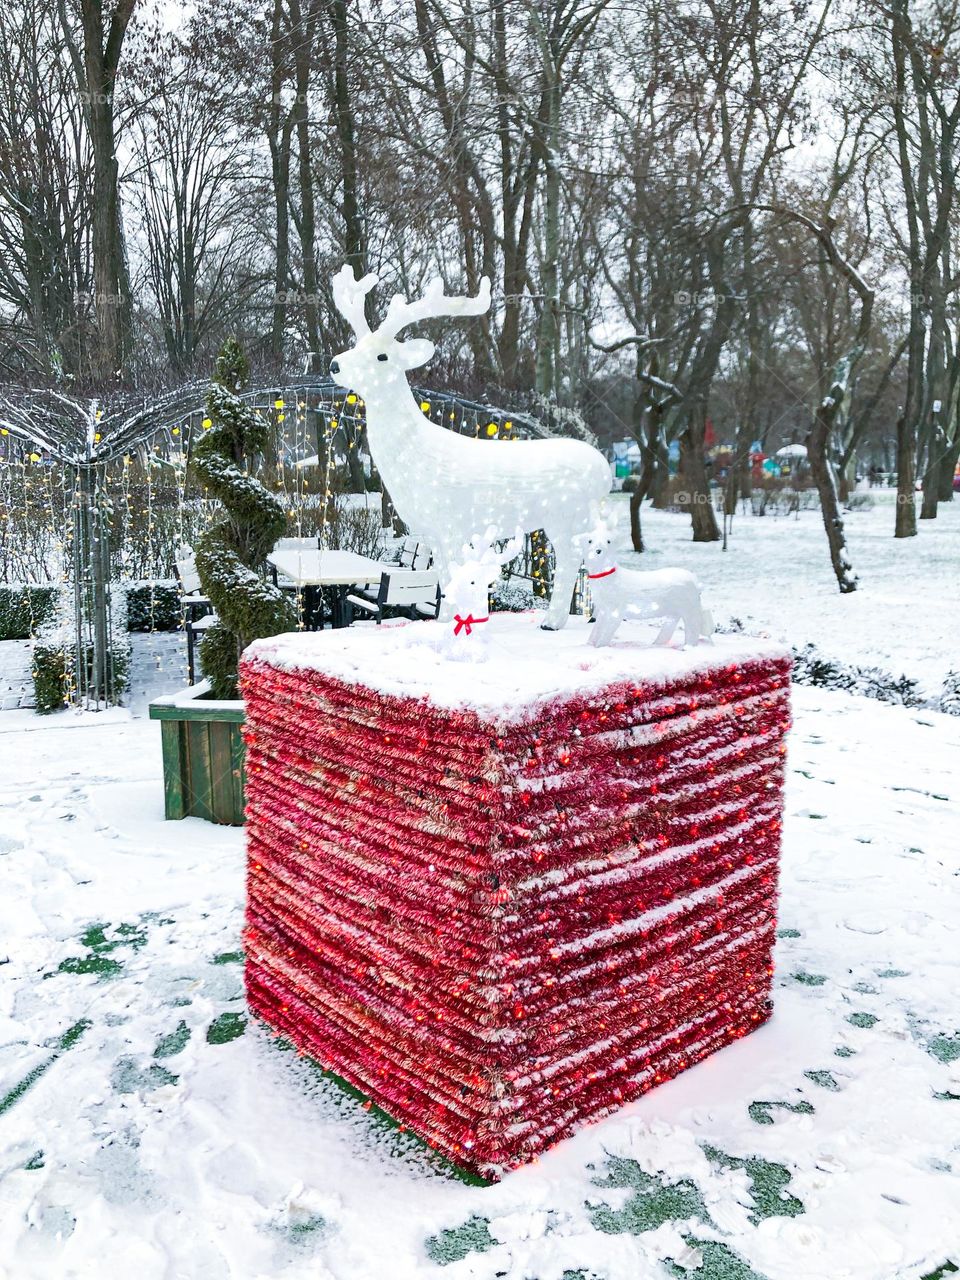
670,594
468,590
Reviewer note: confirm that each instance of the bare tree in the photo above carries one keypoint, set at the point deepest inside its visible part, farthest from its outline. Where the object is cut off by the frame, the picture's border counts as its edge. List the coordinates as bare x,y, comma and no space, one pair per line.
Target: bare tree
95,34
45,198
193,198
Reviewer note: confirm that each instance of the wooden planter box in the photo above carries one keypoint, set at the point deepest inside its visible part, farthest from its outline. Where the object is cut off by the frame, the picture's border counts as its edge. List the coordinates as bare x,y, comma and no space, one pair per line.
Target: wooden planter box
203,755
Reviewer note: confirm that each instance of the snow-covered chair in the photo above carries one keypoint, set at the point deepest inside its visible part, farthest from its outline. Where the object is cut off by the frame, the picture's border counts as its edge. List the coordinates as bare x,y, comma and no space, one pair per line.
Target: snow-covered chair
198,613
413,593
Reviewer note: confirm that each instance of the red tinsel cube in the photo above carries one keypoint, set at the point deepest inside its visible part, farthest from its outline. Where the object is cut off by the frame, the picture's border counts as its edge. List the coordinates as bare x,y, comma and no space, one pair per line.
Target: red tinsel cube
503,897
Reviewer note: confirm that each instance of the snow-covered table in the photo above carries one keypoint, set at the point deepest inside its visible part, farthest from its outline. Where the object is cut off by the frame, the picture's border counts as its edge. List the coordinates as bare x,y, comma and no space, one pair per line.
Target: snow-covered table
504,898
311,568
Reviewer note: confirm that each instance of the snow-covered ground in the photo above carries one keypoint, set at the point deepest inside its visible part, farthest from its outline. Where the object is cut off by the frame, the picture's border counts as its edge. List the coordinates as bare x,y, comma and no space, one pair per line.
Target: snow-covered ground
148,1128
775,576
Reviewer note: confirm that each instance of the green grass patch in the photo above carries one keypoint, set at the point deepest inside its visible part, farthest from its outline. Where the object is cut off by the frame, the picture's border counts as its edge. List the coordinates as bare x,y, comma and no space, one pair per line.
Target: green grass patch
457,1243
824,1080
169,1045
762,1112
300,1228
94,937
128,1077
653,1202
226,1028
944,1048
98,959
719,1263
864,1020
768,1184
35,1161
809,979
789,933
229,957
941,1273
63,1044
102,966
844,1051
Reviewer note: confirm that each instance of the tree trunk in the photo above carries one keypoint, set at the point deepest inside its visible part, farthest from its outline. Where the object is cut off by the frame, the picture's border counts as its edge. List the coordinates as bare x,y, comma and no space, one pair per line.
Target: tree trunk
906,519
98,74
354,231
636,533
693,470
948,467
279,131
546,372
304,31
822,473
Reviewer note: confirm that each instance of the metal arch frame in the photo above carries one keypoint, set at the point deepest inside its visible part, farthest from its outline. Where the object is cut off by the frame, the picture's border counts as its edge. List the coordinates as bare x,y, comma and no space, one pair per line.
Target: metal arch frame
68,430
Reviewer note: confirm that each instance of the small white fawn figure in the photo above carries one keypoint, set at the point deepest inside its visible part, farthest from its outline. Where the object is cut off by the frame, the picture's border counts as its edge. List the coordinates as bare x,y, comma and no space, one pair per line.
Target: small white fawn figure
467,593
670,594
445,485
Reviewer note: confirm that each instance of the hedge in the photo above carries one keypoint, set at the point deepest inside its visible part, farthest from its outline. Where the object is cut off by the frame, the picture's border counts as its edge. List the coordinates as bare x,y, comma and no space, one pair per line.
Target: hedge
154,606
25,609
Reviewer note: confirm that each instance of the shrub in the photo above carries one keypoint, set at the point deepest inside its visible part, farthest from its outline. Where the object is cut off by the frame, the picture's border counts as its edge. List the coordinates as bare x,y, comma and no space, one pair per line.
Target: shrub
25,610
231,554
949,702
514,595
811,667
49,670
352,527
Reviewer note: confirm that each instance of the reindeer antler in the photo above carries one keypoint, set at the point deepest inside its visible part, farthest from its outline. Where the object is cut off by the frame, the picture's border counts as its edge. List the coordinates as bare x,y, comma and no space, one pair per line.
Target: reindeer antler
434,303
348,295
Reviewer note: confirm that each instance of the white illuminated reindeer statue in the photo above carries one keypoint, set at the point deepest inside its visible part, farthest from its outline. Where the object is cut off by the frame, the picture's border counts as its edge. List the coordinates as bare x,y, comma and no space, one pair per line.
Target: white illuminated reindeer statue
445,485
670,594
468,590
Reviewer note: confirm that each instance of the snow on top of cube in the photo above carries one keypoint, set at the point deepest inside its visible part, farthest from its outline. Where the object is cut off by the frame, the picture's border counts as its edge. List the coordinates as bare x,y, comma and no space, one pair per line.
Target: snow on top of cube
521,666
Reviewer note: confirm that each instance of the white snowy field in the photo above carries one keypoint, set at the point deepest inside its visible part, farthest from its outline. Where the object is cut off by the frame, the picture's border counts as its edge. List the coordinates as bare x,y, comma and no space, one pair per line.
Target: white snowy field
776,578
148,1128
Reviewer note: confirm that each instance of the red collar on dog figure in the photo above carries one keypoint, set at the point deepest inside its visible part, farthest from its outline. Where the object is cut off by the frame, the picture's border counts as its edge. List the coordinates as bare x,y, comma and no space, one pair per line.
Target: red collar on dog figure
468,623
606,573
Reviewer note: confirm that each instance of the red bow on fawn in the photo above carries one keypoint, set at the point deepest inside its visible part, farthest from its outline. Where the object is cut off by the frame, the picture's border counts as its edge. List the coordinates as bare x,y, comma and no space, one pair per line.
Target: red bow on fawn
467,623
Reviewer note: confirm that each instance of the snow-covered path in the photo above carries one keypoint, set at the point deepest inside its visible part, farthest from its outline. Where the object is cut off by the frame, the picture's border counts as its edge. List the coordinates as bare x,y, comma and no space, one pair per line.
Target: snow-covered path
146,1128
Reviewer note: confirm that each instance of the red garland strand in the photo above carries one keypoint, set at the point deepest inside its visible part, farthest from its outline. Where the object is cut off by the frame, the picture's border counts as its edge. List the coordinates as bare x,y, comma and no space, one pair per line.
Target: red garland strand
501,931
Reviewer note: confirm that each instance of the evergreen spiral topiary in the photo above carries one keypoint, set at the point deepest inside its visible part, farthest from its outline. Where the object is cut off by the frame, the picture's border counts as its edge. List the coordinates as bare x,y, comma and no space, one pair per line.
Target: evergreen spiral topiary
231,553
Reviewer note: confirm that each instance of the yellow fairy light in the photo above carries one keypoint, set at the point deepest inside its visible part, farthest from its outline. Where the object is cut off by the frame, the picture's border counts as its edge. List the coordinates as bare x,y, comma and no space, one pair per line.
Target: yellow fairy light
206,424
491,428
278,404
281,417
34,457
175,431
351,398
508,425
425,406
333,423
96,437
